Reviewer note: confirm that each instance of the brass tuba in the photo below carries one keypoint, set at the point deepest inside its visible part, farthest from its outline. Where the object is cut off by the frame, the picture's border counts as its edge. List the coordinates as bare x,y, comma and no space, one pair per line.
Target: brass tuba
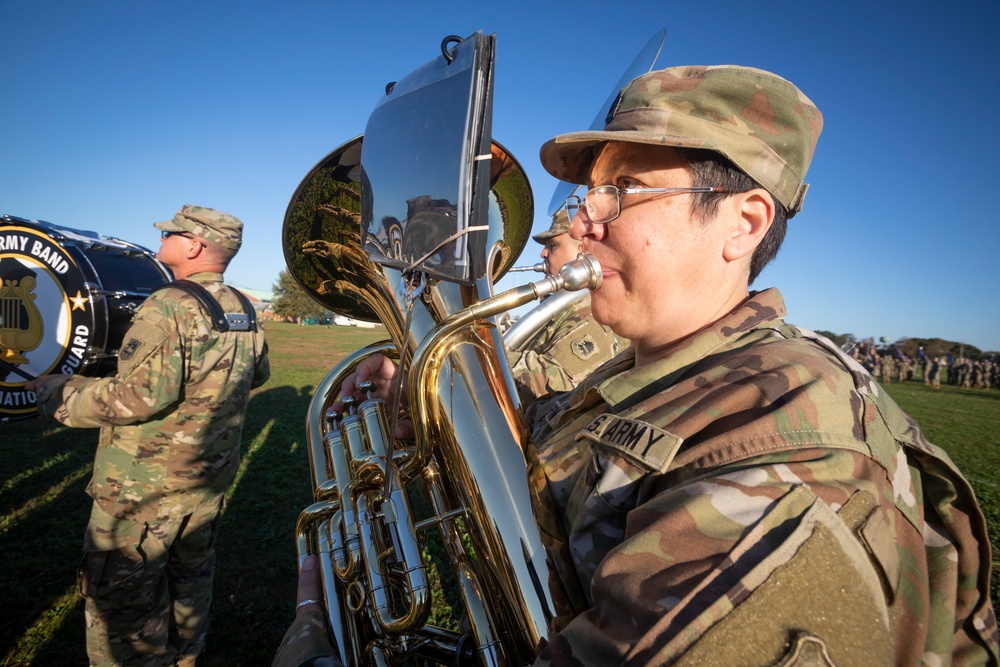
462,482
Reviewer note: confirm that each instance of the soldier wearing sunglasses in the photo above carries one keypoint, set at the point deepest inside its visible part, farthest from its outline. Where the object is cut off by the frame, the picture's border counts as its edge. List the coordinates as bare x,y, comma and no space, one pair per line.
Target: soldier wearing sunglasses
171,420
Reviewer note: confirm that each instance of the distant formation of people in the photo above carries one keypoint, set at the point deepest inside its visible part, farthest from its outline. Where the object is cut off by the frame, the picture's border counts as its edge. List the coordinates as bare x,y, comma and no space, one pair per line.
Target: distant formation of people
891,364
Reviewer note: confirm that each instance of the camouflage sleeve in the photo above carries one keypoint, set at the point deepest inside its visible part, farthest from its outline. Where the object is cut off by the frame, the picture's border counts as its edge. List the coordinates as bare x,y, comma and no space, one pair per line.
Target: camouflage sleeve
538,375
150,376
560,358
743,567
305,644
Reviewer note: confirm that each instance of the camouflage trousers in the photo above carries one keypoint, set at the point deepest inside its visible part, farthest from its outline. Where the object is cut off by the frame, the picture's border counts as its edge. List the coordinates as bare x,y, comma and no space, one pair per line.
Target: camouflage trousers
147,600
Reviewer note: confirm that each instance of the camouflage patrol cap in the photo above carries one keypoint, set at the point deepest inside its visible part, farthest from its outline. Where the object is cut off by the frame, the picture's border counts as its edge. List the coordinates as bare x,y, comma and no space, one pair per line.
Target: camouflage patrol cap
560,225
207,224
761,122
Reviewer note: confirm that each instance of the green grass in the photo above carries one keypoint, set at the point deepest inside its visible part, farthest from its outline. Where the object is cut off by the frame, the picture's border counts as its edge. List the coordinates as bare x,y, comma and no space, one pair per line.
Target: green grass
966,424
44,469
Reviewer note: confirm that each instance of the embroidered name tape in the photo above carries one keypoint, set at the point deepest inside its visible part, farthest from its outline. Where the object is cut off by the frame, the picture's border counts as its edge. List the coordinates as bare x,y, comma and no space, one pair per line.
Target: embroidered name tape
639,441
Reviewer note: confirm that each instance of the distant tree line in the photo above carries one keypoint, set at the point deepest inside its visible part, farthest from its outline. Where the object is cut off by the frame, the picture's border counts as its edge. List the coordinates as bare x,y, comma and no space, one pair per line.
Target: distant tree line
291,302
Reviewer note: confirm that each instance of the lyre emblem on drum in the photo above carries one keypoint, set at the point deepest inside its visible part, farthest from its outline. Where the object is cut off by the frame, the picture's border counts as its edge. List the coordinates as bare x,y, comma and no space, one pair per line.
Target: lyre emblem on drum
21,325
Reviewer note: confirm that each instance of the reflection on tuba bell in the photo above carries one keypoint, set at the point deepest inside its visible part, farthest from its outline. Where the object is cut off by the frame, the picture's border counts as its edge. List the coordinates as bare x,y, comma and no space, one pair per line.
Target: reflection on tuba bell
462,482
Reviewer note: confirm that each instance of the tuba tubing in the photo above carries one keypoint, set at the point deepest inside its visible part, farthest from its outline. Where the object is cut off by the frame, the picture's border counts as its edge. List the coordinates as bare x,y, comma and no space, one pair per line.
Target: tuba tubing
374,581
522,332
314,529
582,273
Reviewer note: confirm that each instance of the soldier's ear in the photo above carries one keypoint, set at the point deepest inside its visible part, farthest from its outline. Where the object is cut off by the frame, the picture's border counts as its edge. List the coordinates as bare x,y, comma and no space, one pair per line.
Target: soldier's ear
748,216
195,248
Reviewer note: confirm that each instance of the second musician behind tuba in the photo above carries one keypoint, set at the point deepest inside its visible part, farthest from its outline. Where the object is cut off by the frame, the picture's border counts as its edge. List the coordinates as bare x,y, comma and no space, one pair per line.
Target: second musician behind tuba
570,344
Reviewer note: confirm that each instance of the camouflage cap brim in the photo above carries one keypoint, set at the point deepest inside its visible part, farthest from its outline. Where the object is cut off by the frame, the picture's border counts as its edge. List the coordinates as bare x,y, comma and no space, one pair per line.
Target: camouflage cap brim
169,226
559,226
545,236
568,157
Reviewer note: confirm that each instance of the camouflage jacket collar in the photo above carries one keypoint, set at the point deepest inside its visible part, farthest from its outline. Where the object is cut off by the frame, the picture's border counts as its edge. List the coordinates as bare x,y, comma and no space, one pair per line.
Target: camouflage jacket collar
621,388
206,277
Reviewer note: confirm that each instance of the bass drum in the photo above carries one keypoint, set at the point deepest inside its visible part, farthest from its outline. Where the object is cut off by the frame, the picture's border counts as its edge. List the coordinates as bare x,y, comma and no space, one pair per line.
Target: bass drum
67,298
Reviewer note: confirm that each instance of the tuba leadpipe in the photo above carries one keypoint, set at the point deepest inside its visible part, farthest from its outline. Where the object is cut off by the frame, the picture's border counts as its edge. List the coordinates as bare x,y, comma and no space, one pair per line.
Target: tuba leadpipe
538,268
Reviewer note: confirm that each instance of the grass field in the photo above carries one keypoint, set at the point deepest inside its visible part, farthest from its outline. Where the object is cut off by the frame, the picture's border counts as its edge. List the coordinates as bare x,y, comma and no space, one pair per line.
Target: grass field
44,469
966,424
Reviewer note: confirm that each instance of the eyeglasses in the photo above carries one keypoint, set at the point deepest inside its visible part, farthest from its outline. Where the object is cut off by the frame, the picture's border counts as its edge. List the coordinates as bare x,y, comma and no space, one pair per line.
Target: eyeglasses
166,235
604,202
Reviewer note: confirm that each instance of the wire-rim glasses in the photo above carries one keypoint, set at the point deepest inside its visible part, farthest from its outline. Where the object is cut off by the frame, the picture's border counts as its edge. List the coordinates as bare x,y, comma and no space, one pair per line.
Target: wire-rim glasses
604,202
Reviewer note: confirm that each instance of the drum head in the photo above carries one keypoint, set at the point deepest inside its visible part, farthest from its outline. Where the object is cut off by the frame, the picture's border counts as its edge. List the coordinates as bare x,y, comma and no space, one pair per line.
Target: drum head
55,315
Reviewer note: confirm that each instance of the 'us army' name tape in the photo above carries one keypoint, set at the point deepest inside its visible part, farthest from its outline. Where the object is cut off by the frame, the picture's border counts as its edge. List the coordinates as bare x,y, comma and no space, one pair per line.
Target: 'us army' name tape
639,441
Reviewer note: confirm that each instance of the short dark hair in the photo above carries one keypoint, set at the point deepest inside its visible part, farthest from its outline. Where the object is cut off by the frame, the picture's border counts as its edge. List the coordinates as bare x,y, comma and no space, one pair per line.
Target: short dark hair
709,168
220,254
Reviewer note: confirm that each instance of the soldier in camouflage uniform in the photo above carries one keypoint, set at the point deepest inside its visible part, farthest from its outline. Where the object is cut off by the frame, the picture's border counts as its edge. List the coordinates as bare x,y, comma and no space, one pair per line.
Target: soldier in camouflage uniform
888,368
171,421
739,491
572,344
732,489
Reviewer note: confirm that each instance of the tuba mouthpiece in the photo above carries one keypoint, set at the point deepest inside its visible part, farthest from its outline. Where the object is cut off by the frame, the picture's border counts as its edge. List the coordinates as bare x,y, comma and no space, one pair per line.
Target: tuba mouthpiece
584,272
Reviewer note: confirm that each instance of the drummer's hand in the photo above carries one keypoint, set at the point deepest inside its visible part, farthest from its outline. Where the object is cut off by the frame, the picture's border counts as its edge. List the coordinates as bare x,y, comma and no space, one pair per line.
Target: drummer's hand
383,372
33,385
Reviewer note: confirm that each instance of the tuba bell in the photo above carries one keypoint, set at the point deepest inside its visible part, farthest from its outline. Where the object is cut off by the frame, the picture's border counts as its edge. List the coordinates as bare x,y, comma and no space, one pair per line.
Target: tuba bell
461,483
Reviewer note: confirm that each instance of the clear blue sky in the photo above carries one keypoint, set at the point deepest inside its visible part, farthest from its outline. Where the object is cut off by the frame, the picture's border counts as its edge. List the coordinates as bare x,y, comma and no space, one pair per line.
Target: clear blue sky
116,113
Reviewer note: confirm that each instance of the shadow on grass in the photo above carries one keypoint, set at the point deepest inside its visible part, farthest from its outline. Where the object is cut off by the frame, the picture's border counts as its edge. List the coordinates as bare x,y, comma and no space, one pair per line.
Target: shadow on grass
254,592
44,471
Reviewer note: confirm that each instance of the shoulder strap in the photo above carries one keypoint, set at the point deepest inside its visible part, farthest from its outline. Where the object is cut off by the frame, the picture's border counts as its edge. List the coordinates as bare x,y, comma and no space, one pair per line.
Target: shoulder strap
221,321
248,309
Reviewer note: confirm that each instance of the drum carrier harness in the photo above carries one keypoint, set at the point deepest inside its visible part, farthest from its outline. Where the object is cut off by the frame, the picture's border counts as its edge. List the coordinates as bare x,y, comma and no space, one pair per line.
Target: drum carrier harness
245,321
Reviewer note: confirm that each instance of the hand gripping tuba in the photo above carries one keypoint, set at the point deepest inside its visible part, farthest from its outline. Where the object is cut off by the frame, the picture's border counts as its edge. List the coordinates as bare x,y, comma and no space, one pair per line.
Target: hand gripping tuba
461,483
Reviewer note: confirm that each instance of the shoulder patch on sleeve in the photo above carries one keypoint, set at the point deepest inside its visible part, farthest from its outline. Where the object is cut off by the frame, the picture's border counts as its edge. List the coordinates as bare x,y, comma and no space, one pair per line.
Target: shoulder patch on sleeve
142,338
638,441
129,349
585,347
